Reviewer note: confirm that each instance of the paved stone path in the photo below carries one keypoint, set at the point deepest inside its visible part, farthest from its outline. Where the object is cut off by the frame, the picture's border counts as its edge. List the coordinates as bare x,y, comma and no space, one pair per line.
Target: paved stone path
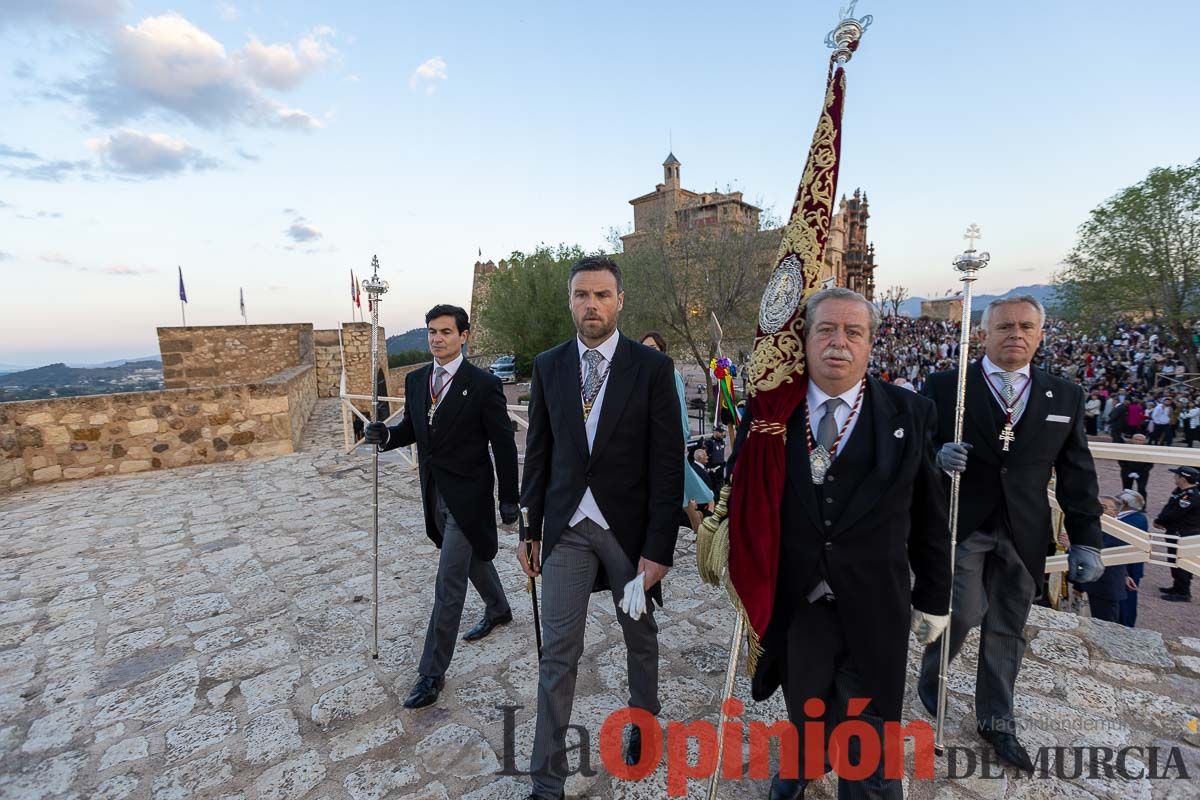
204,632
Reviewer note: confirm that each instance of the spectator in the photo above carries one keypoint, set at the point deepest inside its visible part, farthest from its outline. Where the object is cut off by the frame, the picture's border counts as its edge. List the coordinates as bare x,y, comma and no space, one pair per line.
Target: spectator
1160,423
1189,419
1106,592
1091,412
1130,507
1135,474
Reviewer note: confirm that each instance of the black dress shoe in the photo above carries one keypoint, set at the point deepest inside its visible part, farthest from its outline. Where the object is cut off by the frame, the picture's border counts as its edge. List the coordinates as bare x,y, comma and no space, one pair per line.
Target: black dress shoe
485,626
1007,748
928,697
1172,589
424,692
633,750
1177,598
786,789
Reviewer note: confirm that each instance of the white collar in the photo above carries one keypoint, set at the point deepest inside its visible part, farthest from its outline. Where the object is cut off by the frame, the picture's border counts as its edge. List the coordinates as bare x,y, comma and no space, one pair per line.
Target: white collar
991,369
607,348
817,396
452,367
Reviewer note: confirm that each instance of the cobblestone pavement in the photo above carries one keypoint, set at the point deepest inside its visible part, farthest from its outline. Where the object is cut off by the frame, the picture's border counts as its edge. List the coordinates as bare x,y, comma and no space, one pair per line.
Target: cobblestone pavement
204,632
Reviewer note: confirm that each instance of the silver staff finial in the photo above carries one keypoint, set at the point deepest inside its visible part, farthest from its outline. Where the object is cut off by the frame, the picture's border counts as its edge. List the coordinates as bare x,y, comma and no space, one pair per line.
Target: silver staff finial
847,33
971,262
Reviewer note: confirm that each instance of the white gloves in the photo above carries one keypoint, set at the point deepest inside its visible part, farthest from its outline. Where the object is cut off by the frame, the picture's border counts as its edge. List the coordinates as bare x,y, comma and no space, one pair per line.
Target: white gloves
928,627
634,601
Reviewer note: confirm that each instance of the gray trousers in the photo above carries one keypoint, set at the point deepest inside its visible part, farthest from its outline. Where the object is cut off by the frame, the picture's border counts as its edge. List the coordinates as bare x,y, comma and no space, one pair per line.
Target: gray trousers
992,588
567,579
456,565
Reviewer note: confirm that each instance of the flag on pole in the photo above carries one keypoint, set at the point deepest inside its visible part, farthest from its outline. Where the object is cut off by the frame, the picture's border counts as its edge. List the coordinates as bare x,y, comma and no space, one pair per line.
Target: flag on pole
355,291
242,302
182,291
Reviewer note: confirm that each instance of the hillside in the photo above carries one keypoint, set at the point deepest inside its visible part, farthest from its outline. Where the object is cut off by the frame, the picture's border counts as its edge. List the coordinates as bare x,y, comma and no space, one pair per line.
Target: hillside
416,339
59,380
1044,293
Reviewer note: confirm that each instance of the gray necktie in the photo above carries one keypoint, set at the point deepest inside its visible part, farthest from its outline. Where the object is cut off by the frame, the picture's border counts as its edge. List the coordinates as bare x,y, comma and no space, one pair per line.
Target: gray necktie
827,428
439,380
594,377
1008,388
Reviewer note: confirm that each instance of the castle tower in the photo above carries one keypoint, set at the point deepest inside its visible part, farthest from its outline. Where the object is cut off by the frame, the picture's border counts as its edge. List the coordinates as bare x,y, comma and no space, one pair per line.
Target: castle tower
671,172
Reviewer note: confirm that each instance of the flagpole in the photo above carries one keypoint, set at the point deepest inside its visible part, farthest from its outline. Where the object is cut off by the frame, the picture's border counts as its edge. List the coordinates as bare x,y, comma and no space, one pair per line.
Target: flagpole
183,312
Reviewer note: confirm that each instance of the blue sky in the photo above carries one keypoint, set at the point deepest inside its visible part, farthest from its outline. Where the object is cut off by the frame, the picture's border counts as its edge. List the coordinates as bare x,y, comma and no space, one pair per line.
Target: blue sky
276,145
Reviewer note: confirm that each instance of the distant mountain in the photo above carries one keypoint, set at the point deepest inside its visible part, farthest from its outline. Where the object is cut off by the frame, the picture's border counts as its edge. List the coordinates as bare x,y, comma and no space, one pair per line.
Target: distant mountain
1044,293
115,363
416,339
60,375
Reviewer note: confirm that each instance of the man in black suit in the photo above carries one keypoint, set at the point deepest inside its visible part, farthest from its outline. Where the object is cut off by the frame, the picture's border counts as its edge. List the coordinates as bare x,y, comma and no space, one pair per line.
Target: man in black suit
603,484
1021,423
863,505
453,410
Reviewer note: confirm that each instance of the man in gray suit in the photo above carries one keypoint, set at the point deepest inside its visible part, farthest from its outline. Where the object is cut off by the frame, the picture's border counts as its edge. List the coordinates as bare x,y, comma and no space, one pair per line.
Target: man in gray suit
603,483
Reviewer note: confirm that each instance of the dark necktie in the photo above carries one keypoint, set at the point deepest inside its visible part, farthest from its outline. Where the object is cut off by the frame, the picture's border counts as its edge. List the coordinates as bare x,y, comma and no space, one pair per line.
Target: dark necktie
439,380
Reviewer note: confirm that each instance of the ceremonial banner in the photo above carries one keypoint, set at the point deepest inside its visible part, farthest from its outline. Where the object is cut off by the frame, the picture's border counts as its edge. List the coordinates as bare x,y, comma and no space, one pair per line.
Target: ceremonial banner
776,384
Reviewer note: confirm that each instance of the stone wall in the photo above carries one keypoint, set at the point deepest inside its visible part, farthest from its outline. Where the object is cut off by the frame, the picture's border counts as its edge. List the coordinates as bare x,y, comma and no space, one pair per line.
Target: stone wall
224,355
79,437
356,346
327,354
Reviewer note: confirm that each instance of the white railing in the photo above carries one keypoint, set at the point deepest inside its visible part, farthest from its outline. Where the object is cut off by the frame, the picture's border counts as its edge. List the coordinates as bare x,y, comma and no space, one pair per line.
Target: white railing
1149,547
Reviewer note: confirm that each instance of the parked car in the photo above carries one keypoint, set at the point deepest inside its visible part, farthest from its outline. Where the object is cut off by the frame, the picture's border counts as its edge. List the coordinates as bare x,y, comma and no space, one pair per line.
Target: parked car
505,368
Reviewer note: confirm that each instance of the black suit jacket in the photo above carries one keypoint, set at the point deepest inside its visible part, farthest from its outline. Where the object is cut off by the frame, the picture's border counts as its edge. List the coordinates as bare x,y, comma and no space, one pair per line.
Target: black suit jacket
1019,478
635,467
452,454
894,522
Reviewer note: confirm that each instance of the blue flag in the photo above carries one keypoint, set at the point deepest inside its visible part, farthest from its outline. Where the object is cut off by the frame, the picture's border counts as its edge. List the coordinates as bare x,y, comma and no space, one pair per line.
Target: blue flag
182,291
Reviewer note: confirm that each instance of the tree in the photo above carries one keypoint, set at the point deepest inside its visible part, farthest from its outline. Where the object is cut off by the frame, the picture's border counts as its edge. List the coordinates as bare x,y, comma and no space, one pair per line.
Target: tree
525,308
676,278
1138,258
893,298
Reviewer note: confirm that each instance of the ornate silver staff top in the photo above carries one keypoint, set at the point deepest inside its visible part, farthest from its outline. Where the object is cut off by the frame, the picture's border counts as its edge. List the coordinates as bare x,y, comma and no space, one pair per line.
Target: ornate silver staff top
971,262
848,31
374,285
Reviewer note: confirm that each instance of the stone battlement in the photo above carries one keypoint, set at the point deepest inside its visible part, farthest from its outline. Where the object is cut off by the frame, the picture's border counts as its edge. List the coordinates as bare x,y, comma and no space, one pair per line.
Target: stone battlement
80,437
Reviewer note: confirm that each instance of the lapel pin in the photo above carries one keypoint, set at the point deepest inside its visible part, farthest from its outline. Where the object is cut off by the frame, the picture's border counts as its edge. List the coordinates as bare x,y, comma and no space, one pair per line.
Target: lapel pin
464,392
1049,393
898,433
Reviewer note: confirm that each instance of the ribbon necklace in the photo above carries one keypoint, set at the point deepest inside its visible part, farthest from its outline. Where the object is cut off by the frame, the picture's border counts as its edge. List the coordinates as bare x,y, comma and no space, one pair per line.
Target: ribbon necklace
1008,435
819,458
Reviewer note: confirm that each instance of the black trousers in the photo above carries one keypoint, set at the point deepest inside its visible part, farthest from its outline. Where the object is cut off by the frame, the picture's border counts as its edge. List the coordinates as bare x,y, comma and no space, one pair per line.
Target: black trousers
818,665
1180,578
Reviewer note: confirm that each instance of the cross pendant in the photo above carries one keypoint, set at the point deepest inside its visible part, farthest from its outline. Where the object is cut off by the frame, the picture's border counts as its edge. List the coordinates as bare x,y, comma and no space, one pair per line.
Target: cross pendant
429,416
1007,436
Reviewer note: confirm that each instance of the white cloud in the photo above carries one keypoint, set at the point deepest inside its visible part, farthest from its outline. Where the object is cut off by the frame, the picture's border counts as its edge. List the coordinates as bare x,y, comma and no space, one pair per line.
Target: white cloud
282,66
303,231
55,257
427,74
5,256
148,155
122,269
166,62
228,11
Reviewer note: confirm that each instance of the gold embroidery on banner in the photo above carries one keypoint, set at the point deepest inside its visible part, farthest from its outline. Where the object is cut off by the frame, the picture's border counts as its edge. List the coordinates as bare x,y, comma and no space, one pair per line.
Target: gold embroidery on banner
779,358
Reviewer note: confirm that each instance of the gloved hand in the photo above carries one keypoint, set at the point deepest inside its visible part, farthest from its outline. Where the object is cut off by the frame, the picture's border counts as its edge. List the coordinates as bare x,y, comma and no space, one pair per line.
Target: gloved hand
928,627
375,433
509,513
1084,564
633,602
953,456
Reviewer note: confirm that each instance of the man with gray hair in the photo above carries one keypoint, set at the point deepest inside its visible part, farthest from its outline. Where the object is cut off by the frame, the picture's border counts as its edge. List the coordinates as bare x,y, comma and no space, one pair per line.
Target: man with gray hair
863,506
1020,423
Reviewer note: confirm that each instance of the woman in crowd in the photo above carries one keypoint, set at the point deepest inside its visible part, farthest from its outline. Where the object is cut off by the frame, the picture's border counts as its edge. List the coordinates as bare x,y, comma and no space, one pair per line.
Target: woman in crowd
1129,510
695,490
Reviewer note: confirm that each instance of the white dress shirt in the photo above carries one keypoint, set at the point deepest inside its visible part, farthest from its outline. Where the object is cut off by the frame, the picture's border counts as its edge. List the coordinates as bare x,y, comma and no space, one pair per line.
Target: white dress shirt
1019,382
816,409
451,370
607,348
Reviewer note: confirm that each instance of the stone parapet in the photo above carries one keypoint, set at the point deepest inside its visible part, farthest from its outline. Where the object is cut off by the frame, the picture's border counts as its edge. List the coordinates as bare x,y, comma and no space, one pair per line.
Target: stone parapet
80,437
223,355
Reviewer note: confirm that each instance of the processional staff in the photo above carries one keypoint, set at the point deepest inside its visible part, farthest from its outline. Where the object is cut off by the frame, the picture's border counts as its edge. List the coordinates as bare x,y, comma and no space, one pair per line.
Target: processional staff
967,264
375,287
